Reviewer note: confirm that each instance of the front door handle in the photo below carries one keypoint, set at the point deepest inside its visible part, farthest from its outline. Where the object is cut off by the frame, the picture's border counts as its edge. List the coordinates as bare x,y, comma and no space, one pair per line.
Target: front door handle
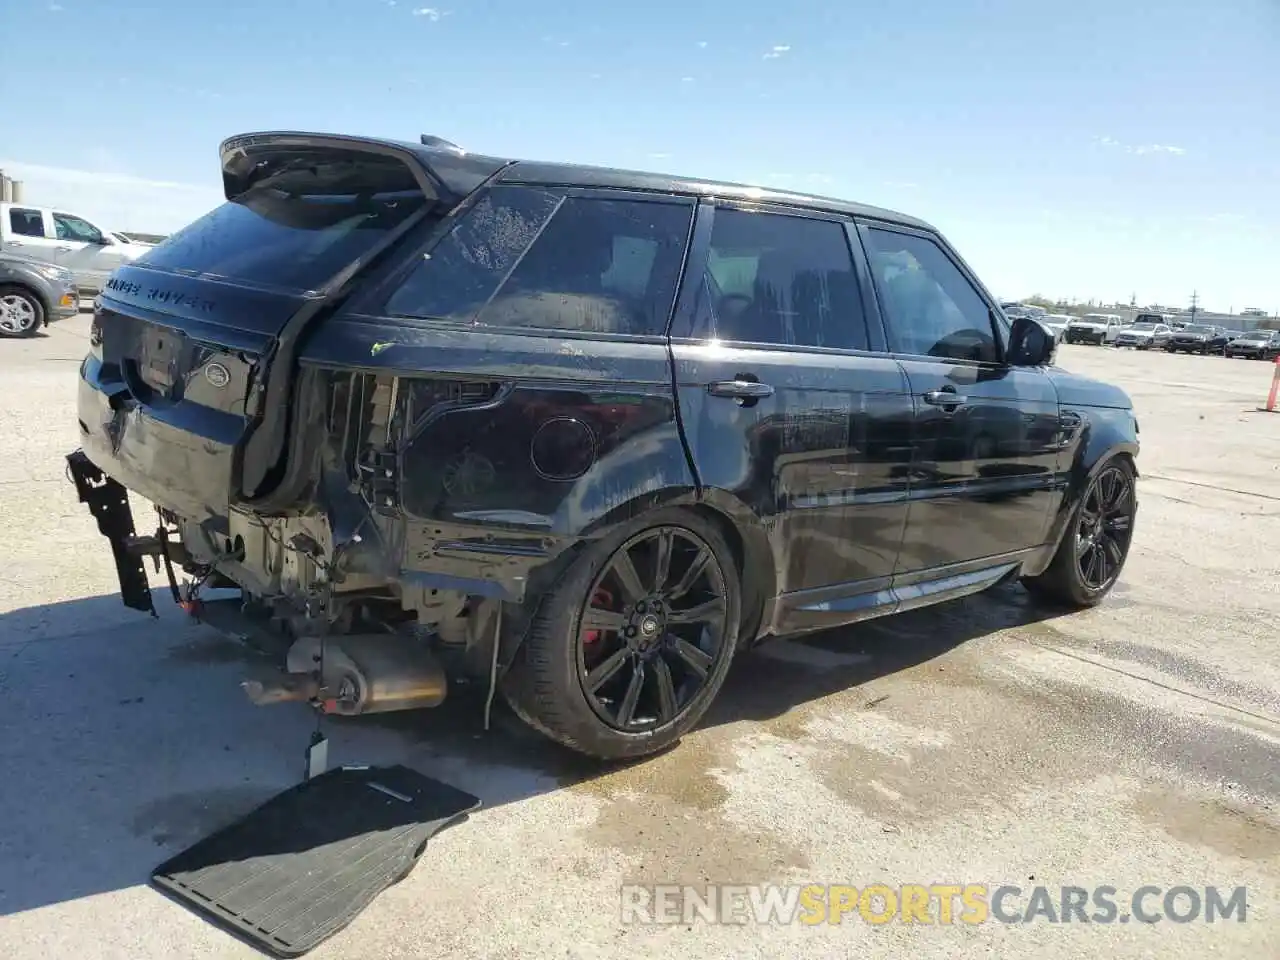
740,389
946,397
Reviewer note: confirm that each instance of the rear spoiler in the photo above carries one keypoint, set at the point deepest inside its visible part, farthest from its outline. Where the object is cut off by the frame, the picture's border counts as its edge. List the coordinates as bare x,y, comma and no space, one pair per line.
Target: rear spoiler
442,170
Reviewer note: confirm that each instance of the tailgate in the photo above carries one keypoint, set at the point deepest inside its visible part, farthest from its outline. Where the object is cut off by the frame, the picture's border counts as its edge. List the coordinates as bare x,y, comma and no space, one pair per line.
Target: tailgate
191,344
165,394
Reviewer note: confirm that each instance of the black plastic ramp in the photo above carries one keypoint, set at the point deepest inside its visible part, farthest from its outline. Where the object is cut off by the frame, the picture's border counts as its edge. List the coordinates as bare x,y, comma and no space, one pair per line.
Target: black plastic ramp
303,865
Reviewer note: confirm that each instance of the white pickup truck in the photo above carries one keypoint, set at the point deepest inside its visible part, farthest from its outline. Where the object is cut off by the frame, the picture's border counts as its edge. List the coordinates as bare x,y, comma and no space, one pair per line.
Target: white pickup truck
69,240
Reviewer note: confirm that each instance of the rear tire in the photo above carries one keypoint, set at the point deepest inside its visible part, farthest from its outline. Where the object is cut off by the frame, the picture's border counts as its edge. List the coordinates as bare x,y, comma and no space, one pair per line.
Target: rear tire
614,617
21,312
1096,543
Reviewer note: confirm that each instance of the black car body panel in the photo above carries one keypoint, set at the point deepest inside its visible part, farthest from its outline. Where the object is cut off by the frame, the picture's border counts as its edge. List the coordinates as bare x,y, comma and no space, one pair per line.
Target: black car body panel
404,421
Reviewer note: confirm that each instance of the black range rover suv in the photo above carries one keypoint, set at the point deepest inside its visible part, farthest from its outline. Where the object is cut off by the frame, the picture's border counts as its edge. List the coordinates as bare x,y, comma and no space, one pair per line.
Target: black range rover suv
582,434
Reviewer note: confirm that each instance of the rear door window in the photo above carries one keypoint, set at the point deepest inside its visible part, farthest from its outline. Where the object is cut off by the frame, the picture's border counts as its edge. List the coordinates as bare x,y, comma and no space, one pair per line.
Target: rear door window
533,257
783,279
301,223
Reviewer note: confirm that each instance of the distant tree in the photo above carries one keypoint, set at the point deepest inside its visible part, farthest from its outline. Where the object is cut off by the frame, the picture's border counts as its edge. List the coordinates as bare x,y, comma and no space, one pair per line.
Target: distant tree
1039,301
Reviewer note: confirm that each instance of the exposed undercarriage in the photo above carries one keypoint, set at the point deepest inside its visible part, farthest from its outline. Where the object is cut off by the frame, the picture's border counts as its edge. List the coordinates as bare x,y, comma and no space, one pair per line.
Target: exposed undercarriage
346,639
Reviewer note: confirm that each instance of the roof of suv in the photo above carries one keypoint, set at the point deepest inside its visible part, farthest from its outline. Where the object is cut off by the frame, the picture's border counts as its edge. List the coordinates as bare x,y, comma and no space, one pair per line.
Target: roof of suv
462,172
531,171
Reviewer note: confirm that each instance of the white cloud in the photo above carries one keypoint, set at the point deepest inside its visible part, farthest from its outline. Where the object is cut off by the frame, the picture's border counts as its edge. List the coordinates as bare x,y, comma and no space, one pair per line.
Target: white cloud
659,156
702,44
1140,149
777,51
686,79
117,201
431,13
56,8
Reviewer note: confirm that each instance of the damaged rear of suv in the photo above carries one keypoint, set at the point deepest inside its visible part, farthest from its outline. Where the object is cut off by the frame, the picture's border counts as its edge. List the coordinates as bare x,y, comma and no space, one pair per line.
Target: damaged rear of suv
576,433
361,391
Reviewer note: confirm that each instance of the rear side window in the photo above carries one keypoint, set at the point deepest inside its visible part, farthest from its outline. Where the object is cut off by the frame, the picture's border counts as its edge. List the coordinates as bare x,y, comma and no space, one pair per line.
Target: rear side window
528,257
779,279
932,308
26,223
299,224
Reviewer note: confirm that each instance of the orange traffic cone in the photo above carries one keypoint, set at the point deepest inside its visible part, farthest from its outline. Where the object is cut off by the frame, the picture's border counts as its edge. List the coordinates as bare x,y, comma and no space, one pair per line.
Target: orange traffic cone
1275,385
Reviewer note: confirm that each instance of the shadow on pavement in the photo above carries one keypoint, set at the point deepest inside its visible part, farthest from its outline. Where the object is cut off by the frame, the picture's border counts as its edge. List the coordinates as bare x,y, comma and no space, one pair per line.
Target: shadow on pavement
125,738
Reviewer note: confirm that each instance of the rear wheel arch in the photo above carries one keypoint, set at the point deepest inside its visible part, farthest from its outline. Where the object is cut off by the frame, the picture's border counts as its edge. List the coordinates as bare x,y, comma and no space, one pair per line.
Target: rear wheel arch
754,559
747,541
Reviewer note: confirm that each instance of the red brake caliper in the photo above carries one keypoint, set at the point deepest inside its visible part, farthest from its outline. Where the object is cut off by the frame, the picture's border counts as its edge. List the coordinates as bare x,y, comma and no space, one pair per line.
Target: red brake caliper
601,598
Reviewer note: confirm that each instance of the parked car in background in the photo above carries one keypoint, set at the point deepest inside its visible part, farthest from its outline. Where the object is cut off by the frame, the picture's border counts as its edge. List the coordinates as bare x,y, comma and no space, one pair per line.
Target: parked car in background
32,294
1096,328
1143,335
1255,345
1218,343
1195,338
592,526
1057,322
68,240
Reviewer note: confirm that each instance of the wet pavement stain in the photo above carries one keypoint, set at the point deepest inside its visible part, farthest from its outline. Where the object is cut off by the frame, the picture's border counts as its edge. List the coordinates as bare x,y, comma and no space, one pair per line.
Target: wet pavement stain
181,819
1222,826
213,650
667,814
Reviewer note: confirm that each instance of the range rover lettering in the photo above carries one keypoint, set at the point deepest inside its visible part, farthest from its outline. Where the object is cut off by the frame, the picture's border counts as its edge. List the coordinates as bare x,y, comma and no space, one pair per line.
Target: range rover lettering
582,434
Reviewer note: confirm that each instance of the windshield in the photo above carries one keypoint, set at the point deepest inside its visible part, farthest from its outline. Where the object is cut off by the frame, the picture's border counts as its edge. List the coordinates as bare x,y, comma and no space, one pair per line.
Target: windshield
1197,328
1143,326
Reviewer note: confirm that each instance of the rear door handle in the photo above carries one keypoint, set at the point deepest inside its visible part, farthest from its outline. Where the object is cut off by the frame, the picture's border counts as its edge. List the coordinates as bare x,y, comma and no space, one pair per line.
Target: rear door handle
740,389
944,398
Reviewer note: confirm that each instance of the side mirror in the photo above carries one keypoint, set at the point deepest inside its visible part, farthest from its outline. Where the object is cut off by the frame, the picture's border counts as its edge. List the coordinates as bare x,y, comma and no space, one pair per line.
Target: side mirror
1031,343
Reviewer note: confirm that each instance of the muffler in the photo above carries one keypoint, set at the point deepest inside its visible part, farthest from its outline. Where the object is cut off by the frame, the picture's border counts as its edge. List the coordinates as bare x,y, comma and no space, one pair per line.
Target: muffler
356,674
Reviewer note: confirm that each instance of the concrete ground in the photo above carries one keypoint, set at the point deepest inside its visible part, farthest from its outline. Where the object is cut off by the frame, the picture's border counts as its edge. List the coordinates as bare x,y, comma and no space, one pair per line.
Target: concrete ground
979,742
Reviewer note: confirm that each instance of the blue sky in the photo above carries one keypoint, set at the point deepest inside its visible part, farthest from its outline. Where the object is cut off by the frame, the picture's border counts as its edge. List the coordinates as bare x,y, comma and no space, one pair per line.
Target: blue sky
1092,149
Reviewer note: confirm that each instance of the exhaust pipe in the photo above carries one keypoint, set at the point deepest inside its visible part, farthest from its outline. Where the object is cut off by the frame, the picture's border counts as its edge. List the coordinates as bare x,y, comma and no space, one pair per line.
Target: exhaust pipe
368,673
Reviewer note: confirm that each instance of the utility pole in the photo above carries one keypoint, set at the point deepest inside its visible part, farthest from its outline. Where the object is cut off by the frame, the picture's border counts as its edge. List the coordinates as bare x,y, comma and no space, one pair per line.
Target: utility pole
1195,305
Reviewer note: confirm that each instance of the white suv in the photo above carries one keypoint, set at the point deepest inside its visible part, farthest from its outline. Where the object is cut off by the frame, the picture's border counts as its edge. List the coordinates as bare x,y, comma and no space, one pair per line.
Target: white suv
69,240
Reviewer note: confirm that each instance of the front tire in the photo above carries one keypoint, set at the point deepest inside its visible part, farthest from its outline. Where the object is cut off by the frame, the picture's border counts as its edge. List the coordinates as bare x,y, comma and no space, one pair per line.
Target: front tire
21,312
627,651
1096,544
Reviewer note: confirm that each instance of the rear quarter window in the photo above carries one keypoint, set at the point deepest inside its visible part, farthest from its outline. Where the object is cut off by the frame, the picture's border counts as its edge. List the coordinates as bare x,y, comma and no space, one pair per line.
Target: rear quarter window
532,257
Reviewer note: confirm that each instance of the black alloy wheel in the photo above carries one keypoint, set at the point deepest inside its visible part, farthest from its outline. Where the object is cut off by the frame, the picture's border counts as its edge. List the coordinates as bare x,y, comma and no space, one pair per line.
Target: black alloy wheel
652,630
628,649
1105,528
